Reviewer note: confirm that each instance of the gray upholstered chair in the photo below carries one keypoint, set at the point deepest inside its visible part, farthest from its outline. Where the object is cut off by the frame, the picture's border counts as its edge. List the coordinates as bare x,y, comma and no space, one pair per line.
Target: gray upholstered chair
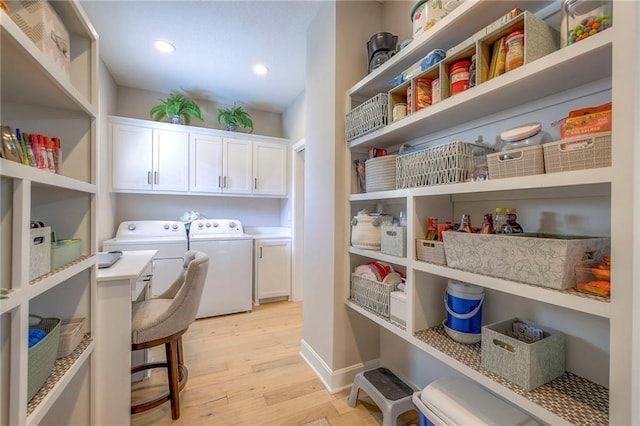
162,321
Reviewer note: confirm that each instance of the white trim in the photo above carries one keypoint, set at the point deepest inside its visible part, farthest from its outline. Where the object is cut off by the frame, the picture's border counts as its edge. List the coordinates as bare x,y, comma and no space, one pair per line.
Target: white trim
334,381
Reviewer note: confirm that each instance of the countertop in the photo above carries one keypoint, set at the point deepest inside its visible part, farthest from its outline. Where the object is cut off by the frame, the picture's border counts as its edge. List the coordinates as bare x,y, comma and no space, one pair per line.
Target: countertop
267,232
130,265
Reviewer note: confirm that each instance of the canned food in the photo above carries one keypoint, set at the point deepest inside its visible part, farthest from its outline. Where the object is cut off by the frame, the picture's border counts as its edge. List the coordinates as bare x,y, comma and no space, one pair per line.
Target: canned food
409,101
514,44
435,91
423,92
459,76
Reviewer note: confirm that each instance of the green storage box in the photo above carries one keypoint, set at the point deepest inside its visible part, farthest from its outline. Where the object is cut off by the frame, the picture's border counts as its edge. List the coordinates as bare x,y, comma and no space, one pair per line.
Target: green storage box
63,252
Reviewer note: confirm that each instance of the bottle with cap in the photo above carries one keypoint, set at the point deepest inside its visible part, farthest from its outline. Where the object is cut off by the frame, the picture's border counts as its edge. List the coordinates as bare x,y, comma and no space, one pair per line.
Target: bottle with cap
465,224
499,219
511,226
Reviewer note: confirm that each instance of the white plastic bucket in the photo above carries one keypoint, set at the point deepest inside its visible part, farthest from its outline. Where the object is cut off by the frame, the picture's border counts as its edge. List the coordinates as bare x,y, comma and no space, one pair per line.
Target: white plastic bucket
464,307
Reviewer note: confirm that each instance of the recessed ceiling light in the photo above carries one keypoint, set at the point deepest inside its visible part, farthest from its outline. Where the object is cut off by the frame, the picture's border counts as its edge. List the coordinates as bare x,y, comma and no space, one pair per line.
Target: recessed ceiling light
164,46
260,69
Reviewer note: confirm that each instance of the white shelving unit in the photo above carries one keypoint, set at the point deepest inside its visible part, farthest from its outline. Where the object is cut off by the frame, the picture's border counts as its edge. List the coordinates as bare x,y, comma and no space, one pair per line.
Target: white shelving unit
38,98
586,202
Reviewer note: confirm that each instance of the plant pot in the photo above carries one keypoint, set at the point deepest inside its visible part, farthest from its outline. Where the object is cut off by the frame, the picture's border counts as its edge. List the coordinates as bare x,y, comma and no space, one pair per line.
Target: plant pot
232,127
176,119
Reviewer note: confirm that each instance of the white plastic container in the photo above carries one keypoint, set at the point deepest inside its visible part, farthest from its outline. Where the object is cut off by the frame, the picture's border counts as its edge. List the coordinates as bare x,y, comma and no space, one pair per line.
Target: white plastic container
455,400
398,307
426,13
522,136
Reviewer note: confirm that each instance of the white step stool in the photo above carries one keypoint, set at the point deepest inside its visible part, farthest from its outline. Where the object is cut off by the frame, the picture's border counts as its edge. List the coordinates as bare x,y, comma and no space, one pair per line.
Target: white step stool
391,395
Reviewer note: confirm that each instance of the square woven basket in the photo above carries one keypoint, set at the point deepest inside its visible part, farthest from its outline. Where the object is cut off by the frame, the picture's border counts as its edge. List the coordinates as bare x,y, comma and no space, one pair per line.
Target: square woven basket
372,295
42,355
452,162
431,251
516,162
367,117
579,153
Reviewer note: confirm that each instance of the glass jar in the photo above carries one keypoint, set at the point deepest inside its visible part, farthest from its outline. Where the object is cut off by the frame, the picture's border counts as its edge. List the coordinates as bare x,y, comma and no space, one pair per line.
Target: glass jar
499,219
465,224
511,226
514,45
585,18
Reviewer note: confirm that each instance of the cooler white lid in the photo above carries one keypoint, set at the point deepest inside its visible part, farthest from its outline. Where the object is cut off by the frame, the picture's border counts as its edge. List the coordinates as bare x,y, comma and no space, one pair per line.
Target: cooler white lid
459,401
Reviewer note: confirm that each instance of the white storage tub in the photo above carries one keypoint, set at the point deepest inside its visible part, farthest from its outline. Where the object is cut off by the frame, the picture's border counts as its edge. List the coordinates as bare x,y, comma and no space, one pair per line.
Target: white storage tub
452,400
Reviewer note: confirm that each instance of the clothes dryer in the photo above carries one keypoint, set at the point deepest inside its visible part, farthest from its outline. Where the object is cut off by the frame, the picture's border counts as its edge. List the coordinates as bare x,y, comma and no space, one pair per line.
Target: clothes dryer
229,282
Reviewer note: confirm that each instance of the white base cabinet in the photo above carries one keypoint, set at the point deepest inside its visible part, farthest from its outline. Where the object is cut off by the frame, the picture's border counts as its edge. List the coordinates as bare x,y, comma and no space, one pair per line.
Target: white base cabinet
272,266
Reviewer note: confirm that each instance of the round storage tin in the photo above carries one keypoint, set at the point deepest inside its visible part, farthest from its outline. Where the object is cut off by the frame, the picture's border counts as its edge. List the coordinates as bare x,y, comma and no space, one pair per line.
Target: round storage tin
459,76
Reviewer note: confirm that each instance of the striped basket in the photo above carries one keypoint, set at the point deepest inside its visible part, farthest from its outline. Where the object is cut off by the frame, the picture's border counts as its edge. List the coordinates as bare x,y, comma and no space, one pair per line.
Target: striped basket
367,117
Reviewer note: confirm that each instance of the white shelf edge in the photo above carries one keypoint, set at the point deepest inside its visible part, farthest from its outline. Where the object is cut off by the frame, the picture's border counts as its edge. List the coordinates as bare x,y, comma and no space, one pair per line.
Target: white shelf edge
41,177
46,66
485,381
402,261
586,177
15,299
38,287
531,292
37,415
378,320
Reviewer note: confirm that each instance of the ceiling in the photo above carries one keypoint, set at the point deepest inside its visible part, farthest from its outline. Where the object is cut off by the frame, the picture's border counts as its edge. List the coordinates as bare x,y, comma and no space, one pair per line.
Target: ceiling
217,44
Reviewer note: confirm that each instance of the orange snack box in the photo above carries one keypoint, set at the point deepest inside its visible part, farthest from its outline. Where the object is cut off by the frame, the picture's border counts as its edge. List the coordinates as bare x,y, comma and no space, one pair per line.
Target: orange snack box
587,121
594,279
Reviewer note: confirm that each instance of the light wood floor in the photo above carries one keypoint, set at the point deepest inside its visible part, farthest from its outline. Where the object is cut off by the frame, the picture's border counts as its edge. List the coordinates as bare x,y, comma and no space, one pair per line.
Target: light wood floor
244,369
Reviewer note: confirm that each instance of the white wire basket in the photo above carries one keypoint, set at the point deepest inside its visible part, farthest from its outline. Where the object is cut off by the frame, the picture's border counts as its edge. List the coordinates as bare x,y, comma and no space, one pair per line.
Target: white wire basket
367,117
452,162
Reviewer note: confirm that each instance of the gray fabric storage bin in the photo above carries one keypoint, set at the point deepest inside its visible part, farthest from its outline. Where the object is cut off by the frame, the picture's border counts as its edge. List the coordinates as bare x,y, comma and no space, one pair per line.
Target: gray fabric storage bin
528,365
393,240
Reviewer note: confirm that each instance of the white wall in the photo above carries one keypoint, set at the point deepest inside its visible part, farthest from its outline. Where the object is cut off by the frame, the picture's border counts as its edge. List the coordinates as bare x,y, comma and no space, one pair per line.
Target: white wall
136,103
106,201
293,119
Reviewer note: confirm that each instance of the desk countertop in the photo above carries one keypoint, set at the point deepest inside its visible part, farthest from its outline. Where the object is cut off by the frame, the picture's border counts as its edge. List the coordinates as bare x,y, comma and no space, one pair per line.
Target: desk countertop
130,265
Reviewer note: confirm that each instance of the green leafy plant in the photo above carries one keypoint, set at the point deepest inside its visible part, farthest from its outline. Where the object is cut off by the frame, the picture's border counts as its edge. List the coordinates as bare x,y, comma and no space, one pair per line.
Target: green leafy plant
178,108
235,117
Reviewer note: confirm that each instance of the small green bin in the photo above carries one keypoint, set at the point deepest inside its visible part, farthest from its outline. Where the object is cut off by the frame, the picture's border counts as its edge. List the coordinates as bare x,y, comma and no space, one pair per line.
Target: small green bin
64,251
42,356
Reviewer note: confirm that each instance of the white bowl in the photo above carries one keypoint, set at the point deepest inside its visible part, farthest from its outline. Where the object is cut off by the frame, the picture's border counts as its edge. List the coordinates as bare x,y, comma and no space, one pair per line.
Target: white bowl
461,337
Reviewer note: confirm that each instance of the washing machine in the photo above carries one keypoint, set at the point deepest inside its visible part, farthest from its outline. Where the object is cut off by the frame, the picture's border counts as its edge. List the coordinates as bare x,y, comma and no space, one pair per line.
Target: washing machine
168,237
229,281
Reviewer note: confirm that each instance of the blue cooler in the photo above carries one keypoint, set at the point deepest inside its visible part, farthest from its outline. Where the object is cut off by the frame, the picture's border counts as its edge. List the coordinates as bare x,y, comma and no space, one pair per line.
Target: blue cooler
464,307
453,400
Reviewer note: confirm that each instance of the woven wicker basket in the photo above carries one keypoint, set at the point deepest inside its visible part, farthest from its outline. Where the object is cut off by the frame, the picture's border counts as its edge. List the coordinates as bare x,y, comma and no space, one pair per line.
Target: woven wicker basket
431,251
579,153
367,117
71,334
42,355
516,162
372,295
452,162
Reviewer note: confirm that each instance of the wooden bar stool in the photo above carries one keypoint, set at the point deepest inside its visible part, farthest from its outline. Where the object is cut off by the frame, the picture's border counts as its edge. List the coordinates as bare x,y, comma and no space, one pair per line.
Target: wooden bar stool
162,321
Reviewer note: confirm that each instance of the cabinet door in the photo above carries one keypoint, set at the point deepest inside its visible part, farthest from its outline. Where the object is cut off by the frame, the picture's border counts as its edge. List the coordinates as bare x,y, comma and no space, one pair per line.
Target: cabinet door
131,157
236,165
269,168
205,171
273,268
171,160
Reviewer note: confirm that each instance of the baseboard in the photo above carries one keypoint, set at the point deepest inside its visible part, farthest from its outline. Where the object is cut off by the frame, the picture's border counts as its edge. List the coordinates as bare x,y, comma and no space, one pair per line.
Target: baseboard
334,381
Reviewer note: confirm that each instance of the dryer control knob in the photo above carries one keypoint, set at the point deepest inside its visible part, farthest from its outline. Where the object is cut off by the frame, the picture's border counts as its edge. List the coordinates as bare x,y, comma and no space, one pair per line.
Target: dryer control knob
216,224
166,226
232,225
131,227
208,225
200,225
174,226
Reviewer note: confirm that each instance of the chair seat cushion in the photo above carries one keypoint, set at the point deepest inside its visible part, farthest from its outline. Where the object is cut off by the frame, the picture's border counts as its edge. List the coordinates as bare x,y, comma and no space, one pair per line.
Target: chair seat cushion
149,321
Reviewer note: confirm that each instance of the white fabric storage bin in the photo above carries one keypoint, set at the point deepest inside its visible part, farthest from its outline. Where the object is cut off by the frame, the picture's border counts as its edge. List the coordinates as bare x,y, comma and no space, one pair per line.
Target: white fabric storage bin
398,307
393,240
452,401
38,20
40,252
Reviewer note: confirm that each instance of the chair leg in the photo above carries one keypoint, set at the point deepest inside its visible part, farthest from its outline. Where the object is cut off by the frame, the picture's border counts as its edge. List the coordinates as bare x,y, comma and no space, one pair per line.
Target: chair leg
171,349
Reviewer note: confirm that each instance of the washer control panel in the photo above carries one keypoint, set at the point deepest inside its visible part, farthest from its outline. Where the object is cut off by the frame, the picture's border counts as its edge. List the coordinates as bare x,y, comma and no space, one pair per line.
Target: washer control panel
217,227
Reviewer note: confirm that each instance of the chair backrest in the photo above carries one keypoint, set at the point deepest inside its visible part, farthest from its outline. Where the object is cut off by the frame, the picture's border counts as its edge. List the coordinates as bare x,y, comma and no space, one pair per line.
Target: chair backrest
184,306
171,292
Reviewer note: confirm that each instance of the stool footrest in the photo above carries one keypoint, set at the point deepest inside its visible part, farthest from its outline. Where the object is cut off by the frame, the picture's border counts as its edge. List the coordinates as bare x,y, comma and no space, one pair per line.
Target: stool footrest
388,384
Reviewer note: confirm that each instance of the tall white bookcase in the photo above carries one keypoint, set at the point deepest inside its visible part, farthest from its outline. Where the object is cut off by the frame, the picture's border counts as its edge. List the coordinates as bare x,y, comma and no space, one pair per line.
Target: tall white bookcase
36,97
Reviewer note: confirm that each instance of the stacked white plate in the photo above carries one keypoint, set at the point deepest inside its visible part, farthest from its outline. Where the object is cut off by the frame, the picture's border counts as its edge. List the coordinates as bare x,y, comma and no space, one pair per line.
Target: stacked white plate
381,173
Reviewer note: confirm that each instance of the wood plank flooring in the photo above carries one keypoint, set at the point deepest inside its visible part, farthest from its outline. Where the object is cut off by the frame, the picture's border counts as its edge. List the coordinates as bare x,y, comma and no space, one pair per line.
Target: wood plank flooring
245,370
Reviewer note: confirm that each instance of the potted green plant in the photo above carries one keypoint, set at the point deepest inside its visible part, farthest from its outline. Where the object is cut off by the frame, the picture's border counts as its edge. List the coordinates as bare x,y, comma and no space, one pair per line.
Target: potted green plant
178,108
235,117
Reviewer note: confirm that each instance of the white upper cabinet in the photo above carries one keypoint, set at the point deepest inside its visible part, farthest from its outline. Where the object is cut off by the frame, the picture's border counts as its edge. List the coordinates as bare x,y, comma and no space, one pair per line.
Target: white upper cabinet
150,156
205,166
146,159
236,166
269,168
